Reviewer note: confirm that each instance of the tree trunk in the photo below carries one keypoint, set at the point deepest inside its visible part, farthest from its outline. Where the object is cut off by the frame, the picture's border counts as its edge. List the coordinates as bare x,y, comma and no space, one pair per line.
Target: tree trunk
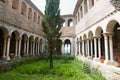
51,61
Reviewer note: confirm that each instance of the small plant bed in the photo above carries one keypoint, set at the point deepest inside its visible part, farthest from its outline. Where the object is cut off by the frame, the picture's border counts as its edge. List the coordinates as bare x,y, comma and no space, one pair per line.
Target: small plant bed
65,68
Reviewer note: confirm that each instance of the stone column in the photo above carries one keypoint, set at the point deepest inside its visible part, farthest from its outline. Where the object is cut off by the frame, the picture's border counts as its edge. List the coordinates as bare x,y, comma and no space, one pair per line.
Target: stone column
31,47
88,48
16,48
91,48
95,47
28,47
111,47
8,48
34,48
99,47
83,48
25,46
4,51
38,48
106,47
19,49
63,48
79,48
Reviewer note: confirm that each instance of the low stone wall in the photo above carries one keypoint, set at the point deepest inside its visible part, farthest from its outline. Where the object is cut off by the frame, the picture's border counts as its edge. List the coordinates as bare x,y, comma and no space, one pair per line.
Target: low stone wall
110,72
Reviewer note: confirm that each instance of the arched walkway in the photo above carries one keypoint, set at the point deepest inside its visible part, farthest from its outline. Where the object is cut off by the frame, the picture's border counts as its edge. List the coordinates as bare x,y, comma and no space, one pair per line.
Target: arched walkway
67,46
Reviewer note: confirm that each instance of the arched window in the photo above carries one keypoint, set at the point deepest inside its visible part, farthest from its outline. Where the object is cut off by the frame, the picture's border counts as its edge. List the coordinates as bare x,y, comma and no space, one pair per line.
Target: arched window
2,1
5,1
78,17
70,22
15,4
24,9
35,17
91,3
85,7
67,46
30,13
38,19
63,23
81,11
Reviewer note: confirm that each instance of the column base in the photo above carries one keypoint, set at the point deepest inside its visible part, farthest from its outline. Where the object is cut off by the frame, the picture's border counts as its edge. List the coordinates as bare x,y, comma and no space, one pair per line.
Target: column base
96,59
107,62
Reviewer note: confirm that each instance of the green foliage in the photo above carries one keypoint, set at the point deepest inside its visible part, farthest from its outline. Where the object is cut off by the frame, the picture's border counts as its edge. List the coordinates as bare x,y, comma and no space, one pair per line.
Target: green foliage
39,70
51,24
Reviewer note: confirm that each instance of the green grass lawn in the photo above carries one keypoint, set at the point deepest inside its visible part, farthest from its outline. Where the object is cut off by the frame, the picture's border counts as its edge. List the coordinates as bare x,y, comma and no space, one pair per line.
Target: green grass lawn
64,69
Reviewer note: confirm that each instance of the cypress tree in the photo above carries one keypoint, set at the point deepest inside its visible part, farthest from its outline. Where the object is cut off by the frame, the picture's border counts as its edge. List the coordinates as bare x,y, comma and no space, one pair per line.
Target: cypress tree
51,24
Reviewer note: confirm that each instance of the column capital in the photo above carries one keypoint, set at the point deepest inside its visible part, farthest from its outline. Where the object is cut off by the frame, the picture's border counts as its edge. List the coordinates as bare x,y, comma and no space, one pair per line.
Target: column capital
107,34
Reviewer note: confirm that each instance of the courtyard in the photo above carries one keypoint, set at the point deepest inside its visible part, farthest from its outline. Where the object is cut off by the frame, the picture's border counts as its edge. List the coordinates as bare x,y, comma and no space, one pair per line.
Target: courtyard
65,68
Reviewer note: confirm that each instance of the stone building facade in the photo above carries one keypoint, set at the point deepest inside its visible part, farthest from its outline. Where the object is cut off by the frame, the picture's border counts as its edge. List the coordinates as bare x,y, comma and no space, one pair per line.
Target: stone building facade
97,35
20,29
91,32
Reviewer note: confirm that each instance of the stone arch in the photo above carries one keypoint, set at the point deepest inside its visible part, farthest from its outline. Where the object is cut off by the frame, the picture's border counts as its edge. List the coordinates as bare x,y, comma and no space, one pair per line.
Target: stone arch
15,4
31,39
84,37
110,25
67,46
30,13
3,38
115,32
15,36
70,22
98,32
23,8
24,45
90,34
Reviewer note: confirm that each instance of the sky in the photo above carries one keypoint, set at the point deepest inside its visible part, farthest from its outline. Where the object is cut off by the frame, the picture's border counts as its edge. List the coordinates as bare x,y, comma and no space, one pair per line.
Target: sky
66,6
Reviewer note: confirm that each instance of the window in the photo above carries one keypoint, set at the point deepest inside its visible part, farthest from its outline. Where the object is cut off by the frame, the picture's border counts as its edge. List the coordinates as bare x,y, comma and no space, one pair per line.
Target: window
81,11
15,4
24,9
35,17
85,7
2,1
38,19
30,13
70,22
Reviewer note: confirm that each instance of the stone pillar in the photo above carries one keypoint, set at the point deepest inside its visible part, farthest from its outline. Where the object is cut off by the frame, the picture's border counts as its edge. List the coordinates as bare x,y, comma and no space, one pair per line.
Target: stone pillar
38,48
34,48
111,47
4,51
79,48
106,47
19,49
16,48
8,48
83,48
25,46
28,47
62,48
31,47
66,23
88,48
91,48
99,47
95,47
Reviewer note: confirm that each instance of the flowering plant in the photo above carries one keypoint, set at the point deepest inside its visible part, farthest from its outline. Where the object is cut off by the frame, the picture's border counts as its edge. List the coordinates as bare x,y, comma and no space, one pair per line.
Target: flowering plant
102,57
116,58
